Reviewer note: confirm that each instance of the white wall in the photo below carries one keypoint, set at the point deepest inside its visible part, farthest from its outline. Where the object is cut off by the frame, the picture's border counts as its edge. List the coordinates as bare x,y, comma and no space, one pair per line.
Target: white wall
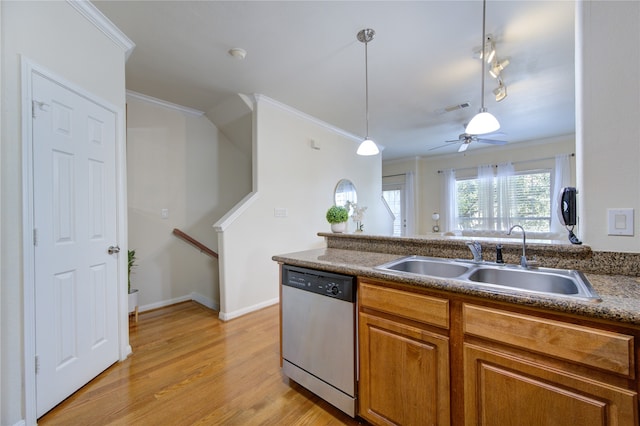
608,122
290,175
430,184
179,162
57,37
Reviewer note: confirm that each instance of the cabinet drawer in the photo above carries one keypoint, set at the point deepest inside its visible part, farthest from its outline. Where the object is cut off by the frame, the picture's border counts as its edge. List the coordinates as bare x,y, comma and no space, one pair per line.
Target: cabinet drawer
605,350
417,307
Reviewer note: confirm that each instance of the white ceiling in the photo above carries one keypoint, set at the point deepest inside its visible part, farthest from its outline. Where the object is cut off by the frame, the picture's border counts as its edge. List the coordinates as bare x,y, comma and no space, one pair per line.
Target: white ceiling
305,54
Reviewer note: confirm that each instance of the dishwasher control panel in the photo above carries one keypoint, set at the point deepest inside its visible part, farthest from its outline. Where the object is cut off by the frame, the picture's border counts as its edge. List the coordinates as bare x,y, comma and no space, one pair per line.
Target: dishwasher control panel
325,283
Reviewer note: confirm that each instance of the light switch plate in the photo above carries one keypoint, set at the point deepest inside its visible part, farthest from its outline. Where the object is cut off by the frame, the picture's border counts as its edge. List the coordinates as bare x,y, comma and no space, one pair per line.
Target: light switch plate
620,221
280,212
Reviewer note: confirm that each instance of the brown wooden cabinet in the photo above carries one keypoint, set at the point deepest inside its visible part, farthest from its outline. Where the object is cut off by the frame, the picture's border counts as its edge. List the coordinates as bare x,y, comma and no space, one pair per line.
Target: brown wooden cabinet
530,371
504,390
404,366
434,358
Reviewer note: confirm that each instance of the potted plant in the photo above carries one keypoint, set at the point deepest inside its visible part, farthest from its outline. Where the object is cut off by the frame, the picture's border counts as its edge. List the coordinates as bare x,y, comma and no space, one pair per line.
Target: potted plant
133,293
337,216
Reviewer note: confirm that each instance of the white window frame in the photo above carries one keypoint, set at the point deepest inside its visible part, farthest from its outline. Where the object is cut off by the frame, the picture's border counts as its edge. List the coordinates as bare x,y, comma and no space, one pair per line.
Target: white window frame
494,219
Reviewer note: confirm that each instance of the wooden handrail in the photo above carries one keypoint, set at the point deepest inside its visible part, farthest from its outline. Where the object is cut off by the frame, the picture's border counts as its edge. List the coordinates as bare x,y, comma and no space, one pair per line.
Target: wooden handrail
197,244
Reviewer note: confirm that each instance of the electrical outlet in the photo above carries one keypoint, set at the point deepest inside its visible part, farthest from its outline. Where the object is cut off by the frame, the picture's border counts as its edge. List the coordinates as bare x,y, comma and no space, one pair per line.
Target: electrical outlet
164,213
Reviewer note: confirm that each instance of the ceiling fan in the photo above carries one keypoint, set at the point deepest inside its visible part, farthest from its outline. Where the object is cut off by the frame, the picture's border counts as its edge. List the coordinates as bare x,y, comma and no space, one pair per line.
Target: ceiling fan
465,139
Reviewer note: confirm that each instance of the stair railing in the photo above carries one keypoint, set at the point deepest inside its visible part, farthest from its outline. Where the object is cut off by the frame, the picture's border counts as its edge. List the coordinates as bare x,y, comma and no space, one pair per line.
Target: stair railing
197,244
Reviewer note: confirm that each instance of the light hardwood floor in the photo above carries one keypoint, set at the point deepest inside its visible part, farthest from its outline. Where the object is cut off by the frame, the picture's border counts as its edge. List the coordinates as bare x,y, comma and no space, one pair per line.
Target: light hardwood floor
190,368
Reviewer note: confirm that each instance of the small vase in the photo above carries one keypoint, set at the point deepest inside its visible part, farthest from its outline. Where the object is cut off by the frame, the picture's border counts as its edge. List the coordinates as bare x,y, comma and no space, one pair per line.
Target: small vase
133,299
339,228
133,303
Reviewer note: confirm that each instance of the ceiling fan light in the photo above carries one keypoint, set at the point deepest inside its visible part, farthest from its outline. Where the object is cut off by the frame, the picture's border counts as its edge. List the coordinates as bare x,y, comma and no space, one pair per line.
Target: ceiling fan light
368,147
483,122
463,147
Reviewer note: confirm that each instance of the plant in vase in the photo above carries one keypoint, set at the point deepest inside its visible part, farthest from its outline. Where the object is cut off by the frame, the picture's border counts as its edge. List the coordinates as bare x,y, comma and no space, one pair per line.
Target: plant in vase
337,216
357,215
133,293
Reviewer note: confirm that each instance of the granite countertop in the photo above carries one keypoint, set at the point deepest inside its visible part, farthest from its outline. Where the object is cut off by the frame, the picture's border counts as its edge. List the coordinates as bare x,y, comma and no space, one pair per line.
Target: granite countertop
620,293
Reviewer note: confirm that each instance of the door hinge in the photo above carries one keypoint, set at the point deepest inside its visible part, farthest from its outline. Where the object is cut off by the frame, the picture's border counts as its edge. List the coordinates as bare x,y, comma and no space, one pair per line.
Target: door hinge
38,105
37,364
35,236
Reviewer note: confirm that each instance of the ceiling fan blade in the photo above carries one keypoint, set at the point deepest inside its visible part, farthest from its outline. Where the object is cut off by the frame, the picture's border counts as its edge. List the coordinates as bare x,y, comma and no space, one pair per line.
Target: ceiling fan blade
453,140
437,147
492,141
455,107
463,147
499,134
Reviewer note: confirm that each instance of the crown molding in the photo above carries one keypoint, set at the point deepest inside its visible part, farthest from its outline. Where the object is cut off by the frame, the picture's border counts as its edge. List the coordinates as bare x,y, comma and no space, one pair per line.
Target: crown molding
159,102
101,22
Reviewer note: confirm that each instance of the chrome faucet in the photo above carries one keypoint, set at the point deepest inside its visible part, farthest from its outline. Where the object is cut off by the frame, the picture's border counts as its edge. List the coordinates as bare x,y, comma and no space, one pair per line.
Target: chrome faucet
476,249
523,258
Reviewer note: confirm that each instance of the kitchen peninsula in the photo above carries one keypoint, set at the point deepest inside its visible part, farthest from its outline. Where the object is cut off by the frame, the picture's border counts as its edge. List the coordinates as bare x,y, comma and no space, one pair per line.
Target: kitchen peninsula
443,351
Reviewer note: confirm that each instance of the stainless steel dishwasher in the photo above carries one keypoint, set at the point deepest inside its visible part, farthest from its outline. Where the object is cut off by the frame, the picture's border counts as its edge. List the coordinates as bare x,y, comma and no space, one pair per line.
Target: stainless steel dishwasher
318,334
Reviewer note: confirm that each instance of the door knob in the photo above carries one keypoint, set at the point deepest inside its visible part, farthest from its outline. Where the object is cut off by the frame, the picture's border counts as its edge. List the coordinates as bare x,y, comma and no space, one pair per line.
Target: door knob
113,249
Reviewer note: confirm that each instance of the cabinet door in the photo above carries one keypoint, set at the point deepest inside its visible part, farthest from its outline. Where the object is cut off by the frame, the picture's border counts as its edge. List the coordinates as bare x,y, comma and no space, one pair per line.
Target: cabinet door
503,390
404,374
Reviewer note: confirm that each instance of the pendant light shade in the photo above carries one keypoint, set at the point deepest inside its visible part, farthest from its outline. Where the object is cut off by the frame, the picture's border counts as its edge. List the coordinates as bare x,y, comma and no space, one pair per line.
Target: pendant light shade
367,147
483,122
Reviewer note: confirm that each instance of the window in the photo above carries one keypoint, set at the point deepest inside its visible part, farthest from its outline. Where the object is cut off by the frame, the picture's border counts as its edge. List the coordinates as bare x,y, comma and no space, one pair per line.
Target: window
523,198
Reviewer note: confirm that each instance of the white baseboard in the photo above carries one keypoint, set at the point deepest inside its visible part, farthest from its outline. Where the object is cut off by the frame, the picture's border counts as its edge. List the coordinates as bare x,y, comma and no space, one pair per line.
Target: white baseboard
127,351
226,316
209,303
20,423
164,303
196,297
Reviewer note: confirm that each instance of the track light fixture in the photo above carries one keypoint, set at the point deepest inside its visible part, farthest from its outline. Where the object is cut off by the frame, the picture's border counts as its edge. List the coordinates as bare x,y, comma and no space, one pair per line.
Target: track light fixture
489,49
483,122
497,67
367,147
500,91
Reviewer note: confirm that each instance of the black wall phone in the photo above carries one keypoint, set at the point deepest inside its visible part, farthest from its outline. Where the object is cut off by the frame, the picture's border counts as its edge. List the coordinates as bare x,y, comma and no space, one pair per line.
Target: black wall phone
567,211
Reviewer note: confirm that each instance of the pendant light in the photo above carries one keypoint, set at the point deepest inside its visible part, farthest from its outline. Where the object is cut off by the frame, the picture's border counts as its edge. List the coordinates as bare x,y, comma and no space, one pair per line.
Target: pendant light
483,122
367,146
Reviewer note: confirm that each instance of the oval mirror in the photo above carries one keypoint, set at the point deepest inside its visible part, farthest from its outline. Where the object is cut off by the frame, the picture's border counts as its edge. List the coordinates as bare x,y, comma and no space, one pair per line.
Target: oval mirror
345,191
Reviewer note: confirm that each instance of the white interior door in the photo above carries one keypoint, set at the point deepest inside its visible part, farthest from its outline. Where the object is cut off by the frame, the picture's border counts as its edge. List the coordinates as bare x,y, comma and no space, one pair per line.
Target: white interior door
74,199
